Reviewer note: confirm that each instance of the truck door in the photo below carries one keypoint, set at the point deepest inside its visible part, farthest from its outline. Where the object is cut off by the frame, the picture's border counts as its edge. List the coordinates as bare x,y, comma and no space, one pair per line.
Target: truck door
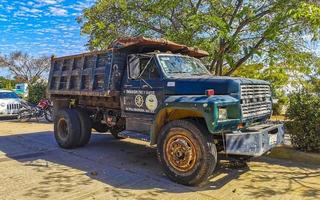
143,92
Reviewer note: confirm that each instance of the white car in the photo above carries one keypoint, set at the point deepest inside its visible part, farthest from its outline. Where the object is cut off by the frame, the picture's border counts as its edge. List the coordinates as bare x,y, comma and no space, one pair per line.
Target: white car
10,103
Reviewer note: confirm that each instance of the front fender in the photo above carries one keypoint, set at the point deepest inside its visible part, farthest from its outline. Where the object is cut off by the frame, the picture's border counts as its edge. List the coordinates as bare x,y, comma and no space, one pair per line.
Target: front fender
206,105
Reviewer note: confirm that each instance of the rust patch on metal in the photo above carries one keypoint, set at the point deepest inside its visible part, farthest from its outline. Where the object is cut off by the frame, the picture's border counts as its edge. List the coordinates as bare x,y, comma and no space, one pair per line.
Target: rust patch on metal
181,152
157,44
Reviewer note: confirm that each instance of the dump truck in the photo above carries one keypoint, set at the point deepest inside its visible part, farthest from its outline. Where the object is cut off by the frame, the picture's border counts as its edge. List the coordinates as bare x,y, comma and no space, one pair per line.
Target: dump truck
159,91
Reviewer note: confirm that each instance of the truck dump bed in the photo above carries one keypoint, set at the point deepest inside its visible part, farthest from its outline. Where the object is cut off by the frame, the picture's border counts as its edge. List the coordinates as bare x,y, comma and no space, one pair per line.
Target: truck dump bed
100,73
88,74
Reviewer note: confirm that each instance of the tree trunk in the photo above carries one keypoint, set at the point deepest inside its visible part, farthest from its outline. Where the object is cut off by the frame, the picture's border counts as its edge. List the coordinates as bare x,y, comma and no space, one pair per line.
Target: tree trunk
218,70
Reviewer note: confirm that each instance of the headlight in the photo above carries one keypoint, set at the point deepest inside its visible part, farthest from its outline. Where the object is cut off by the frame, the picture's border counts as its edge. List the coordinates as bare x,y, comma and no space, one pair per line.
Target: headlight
223,115
2,104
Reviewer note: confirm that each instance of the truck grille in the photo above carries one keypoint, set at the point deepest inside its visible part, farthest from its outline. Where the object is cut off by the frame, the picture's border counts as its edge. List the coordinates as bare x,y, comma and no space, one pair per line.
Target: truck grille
255,100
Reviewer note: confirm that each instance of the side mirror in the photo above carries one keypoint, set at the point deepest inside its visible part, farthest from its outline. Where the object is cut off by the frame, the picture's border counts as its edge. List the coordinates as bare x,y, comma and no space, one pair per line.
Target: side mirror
133,66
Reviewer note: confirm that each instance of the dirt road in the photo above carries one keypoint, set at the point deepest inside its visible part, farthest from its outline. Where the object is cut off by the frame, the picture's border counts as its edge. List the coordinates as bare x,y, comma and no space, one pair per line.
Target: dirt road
33,167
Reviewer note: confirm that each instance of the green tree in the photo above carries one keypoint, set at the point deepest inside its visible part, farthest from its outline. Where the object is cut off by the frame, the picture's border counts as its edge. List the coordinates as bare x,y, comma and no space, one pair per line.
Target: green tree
6,83
37,91
234,32
304,123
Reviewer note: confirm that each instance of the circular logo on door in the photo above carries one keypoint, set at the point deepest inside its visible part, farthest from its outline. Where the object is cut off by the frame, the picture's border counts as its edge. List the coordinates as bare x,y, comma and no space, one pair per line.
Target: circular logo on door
151,102
138,101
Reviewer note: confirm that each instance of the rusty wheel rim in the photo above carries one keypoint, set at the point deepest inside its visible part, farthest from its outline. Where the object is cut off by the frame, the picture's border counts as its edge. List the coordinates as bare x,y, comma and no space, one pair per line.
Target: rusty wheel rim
181,153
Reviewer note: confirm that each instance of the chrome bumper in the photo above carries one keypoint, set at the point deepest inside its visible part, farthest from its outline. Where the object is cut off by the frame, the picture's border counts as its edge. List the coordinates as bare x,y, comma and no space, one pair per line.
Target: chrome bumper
255,141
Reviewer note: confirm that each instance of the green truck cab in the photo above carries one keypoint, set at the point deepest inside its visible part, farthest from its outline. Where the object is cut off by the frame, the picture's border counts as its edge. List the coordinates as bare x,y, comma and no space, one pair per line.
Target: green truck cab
159,91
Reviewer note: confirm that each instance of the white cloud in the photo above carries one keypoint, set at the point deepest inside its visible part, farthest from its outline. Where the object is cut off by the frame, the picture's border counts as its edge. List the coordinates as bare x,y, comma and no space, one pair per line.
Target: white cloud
58,11
31,10
50,2
9,8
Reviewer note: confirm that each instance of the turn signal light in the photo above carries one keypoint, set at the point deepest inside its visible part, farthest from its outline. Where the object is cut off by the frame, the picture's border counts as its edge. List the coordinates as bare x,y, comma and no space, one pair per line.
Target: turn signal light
210,92
240,126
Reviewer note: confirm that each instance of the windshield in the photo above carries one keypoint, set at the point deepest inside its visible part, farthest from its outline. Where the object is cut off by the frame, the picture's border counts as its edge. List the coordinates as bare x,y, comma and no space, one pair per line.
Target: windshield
173,65
8,95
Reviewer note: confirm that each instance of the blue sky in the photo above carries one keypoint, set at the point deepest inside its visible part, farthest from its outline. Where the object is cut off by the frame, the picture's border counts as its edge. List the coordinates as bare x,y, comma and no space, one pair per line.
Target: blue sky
46,27
42,27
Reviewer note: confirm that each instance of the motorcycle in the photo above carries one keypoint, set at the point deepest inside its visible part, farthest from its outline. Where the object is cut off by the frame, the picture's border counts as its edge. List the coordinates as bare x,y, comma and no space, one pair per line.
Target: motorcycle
43,109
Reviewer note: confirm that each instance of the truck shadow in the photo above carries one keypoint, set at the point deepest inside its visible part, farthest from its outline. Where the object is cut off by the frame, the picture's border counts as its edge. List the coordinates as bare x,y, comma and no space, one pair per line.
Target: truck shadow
129,165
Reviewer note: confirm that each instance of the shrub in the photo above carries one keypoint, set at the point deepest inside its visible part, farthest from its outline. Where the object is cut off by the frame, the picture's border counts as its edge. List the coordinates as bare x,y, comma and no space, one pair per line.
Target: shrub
280,107
304,125
37,91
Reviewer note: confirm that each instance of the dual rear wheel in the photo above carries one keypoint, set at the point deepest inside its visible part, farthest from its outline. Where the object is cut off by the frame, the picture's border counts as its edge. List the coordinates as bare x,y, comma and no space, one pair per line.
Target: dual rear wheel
72,128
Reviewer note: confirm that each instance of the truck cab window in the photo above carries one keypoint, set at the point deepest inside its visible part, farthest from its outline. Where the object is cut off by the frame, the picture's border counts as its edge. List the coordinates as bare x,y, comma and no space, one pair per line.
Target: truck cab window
139,66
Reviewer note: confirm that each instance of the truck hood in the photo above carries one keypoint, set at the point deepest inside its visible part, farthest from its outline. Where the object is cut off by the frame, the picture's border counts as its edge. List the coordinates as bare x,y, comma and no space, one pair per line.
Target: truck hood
196,85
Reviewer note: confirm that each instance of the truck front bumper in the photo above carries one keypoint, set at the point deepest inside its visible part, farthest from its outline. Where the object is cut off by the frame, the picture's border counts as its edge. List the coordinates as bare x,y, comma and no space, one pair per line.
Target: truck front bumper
254,141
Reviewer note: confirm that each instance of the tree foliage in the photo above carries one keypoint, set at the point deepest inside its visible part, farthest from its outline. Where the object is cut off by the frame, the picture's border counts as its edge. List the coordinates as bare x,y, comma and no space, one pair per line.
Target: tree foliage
304,124
234,32
37,91
6,83
24,67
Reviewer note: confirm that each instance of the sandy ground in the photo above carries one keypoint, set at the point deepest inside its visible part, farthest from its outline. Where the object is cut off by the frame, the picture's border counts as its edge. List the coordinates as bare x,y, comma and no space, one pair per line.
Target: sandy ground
32,166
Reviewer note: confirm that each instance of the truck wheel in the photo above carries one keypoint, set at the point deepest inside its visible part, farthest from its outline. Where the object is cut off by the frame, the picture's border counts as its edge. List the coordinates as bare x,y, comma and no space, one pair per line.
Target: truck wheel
85,127
67,128
99,127
185,154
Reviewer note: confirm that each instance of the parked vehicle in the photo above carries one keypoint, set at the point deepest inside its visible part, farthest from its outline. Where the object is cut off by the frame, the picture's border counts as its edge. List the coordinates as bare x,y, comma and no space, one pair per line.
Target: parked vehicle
9,103
43,109
158,91
21,89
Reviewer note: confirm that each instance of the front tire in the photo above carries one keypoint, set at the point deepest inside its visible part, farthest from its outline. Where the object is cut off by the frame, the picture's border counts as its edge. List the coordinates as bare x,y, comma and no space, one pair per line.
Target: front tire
67,128
185,153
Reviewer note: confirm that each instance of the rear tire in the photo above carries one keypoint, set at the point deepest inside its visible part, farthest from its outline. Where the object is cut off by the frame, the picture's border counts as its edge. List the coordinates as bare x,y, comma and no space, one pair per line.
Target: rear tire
85,127
67,128
185,154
